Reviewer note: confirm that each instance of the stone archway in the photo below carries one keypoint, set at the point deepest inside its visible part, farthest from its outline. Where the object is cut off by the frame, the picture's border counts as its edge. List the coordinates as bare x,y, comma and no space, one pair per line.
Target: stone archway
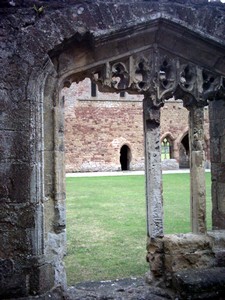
150,49
132,74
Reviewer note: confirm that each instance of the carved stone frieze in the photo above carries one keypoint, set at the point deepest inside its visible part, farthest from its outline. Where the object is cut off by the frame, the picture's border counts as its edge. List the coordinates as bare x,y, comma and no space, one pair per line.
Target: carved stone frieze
162,76
197,86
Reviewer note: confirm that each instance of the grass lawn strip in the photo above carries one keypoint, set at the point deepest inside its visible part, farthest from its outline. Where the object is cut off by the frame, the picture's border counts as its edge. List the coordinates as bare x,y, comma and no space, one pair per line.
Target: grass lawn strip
106,223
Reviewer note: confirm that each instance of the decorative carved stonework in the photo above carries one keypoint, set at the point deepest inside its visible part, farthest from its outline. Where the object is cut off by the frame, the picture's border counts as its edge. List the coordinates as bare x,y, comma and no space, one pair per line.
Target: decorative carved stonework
161,75
166,78
197,140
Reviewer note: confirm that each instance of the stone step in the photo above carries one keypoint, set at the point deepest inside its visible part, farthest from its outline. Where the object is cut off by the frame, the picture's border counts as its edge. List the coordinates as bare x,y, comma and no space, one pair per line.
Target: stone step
218,238
200,284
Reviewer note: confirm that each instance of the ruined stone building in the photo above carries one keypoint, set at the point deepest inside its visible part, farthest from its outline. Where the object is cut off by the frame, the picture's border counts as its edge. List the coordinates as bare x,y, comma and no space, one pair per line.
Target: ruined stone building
104,131
156,49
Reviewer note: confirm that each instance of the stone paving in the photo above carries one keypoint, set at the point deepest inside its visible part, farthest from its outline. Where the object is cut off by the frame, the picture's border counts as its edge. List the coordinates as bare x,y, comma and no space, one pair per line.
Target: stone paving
121,289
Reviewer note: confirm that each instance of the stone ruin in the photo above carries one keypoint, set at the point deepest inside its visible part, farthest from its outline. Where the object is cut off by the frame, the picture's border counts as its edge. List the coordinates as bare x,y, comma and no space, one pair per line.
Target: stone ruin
158,49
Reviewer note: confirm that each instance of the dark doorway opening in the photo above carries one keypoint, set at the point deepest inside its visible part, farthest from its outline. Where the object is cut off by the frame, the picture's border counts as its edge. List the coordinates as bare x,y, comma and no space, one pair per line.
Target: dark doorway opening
125,158
184,152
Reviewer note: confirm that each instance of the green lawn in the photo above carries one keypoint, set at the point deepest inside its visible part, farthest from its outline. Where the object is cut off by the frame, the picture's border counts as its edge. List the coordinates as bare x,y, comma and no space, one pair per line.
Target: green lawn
106,223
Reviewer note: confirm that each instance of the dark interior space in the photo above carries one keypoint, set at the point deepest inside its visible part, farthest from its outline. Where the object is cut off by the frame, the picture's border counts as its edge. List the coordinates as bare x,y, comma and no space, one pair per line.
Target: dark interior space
125,158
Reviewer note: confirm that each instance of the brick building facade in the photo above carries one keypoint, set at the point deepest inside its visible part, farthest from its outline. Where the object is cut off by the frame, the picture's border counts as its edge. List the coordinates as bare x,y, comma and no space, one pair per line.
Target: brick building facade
104,131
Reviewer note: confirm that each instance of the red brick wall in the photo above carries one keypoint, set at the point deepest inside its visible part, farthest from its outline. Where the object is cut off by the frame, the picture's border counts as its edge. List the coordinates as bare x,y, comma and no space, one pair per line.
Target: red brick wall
97,128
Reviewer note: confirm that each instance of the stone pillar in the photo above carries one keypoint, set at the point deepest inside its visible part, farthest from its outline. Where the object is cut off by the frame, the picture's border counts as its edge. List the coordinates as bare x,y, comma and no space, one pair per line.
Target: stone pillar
197,170
153,171
217,156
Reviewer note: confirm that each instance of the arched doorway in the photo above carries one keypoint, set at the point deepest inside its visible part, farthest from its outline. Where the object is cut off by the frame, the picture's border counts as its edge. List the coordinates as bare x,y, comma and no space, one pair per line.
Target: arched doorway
125,158
184,152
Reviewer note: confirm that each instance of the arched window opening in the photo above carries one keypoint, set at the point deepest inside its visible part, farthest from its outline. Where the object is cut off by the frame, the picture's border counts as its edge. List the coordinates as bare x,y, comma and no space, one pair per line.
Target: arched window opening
166,149
184,152
125,158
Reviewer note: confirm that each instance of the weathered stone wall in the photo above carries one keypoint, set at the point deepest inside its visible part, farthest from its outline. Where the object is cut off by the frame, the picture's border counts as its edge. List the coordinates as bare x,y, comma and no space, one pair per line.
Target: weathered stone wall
40,48
97,127
217,133
174,253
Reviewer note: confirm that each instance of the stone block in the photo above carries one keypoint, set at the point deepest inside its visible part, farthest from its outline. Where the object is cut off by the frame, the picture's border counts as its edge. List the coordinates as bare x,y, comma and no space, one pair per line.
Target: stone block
218,238
182,242
6,267
215,154
217,128
173,263
9,145
221,197
49,173
15,116
200,284
218,218
222,147
170,164
15,185
220,258
216,110
189,260
218,172
17,216
48,131
13,285
156,262
41,279
56,243
14,242
155,256
59,173
187,251
60,217
155,245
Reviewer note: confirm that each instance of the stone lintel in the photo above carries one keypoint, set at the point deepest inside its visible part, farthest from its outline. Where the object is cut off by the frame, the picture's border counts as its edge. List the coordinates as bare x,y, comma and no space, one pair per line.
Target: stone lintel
200,284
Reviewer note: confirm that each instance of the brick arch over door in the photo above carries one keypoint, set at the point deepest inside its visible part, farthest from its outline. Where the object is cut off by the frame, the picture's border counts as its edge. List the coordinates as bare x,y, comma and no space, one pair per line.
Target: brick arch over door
65,43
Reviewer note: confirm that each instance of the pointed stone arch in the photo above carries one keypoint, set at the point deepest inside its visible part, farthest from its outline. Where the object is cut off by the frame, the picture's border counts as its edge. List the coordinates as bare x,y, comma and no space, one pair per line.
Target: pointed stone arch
153,72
